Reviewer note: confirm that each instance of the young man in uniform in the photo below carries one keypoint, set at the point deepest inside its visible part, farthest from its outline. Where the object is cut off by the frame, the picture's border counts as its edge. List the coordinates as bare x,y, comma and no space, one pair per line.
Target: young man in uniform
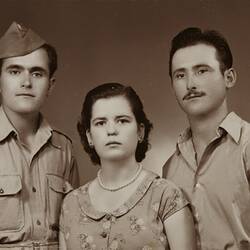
37,168
212,159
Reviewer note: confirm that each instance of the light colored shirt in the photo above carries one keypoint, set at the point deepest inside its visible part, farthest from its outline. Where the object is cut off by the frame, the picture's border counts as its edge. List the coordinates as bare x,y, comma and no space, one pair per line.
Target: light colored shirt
217,187
31,190
137,224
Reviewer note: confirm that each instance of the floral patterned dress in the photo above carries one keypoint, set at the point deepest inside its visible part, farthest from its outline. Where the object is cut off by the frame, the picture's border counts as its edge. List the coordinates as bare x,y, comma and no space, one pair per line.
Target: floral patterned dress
137,224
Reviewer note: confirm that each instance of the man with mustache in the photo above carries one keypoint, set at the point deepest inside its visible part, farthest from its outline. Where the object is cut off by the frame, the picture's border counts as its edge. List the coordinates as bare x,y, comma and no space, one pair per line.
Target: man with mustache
36,164
212,159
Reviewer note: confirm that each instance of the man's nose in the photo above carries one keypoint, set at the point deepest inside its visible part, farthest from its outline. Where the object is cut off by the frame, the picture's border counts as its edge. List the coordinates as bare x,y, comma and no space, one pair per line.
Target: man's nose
26,80
191,82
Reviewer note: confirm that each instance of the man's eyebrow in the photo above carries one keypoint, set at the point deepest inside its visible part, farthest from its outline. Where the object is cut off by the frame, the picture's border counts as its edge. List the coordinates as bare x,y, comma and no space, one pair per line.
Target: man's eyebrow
14,66
201,65
37,68
123,116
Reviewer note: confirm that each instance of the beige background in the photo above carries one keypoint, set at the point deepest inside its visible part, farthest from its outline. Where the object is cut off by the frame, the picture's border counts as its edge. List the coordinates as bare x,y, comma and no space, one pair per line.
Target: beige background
128,41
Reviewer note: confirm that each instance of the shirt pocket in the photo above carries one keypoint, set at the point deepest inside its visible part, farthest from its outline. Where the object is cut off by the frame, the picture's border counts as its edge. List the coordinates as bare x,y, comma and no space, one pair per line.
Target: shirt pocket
11,204
57,189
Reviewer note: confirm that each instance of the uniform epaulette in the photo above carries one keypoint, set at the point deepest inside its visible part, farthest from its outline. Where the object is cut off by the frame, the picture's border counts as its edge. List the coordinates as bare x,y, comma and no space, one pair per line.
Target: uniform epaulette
56,131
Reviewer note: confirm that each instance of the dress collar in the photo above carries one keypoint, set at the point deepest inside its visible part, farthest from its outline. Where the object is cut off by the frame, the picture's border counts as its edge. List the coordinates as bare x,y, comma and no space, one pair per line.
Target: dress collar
86,206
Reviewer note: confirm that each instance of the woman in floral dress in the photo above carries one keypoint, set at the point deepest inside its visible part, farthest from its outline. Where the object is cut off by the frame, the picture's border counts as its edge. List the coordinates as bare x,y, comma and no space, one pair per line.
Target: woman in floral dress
125,206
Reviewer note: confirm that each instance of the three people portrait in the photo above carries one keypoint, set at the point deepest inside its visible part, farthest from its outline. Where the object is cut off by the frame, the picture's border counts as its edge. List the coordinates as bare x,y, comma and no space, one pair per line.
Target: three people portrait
160,166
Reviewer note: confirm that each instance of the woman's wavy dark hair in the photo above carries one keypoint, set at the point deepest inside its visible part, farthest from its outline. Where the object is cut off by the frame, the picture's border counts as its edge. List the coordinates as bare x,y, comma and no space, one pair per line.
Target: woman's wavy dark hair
108,90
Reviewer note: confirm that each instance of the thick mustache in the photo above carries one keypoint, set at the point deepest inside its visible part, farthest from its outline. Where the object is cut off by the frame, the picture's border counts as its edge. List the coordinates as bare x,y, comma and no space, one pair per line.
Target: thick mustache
192,94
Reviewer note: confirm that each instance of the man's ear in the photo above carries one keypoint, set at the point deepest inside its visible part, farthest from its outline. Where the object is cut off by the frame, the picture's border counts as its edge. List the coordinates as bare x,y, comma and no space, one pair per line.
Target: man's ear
52,83
230,76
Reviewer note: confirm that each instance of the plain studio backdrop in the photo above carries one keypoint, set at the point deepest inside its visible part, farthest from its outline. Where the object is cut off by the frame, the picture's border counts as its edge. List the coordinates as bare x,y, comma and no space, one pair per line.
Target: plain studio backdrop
128,41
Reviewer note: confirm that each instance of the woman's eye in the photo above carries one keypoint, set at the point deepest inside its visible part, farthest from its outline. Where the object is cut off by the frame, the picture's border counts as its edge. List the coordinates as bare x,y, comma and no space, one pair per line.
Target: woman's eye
123,121
100,123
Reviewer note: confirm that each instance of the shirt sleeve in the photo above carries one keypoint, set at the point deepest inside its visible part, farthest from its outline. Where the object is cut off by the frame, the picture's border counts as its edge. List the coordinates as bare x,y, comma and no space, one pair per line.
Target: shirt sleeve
74,173
247,161
172,200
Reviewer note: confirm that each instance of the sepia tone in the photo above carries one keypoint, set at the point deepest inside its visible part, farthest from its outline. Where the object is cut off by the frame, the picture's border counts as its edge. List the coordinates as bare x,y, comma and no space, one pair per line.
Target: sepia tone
128,41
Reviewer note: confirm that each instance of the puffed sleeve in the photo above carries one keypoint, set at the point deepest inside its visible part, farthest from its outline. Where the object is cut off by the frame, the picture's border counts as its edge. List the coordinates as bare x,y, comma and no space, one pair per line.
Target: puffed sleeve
172,199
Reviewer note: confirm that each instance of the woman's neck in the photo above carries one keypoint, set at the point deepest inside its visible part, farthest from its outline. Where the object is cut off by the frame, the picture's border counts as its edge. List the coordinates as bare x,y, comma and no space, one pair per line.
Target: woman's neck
116,172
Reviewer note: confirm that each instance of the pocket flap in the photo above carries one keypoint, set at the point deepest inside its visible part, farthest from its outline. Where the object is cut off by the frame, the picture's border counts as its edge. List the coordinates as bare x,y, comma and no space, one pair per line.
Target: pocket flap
10,184
58,184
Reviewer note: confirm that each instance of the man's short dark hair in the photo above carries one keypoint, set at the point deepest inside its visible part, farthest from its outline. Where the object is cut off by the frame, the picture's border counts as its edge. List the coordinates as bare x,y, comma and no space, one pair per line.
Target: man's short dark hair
52,55
193,36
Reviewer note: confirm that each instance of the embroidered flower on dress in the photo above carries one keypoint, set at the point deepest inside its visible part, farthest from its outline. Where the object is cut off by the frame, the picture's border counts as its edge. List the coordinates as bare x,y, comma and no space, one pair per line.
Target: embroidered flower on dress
87,242
136,224
117,242
155,207
83,219
147,248
106,225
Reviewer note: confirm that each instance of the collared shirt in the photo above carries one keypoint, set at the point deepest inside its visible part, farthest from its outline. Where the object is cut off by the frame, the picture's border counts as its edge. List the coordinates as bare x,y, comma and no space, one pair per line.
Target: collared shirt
32,188
217,187
137,224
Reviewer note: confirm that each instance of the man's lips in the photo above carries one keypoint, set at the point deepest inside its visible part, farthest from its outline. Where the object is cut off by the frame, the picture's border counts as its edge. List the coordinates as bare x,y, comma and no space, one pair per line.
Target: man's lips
191,95
112,143
25,94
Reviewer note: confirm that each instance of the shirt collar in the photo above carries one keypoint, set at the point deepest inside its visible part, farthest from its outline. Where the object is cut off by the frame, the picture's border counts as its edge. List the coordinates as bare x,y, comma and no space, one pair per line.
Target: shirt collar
232,124
6,127
44,131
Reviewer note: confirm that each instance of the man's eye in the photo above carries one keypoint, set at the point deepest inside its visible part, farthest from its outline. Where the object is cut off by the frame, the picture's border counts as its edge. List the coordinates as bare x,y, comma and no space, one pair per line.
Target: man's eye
179,75
14,72
202,71
37,74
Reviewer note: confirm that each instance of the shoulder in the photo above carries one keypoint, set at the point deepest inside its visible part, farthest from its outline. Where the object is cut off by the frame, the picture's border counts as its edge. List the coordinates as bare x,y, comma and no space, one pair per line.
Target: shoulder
60,134
165,185
74,195
170,163
60,139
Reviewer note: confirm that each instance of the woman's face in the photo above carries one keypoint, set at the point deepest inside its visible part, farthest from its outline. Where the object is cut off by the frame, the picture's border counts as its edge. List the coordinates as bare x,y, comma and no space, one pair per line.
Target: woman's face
114,131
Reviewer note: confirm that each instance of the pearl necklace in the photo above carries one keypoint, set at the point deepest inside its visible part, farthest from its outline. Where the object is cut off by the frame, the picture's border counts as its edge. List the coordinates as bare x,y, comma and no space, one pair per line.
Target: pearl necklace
133,179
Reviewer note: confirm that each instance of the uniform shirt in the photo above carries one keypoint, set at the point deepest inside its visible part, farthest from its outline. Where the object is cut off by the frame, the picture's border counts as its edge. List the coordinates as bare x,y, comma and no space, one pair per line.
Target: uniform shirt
217,187
31,189
137,224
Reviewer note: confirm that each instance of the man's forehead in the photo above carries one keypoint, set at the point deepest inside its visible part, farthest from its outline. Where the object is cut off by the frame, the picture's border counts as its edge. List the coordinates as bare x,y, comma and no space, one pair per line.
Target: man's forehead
37,58
194,55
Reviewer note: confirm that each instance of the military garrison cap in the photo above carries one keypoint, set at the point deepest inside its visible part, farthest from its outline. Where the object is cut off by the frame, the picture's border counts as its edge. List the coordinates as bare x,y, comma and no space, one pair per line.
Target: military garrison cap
18,41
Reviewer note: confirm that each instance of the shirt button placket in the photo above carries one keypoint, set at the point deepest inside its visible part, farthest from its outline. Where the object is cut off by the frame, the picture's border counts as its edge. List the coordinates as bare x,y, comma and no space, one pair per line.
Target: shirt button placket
106,226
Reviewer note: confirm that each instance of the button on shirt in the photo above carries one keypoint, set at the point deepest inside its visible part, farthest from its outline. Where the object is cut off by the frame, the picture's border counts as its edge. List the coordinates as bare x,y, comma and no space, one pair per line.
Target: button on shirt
217,187
32,188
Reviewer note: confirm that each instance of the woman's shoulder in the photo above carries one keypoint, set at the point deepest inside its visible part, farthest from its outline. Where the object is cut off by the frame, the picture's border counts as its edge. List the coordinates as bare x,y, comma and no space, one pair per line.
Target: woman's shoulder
161,183
161,187
74,194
